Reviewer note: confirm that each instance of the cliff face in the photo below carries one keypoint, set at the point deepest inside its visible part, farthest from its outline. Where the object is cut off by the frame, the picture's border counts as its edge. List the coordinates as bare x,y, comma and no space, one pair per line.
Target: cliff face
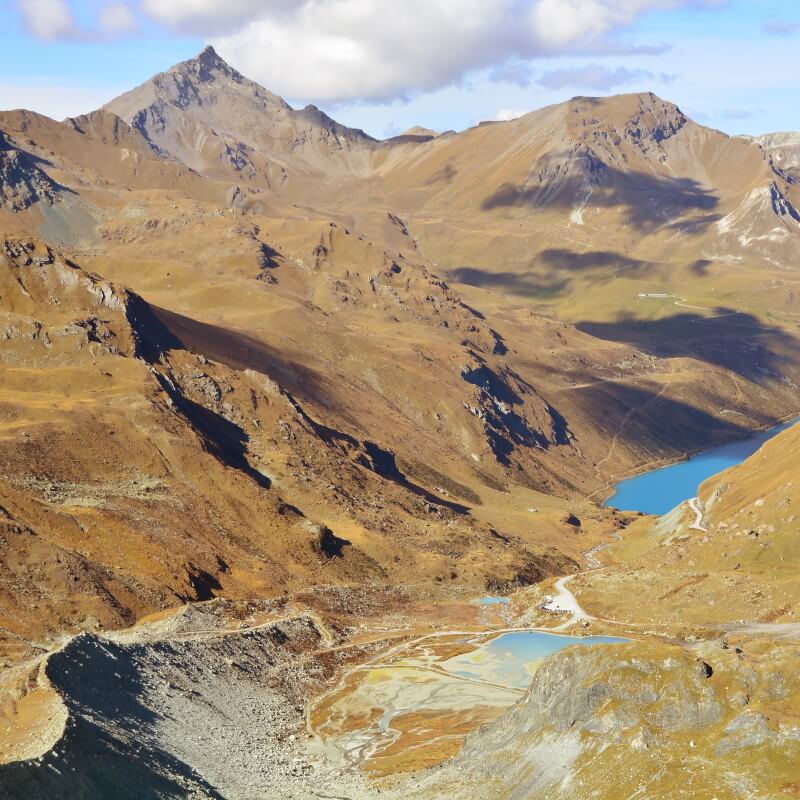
598,721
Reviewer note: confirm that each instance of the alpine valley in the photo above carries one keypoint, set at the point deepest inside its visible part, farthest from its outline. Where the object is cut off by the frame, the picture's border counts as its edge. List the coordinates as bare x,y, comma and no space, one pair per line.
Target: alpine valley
302,433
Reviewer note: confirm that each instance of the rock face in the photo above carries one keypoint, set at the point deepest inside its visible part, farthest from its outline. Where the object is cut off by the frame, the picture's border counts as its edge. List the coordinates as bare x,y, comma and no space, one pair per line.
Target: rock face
784,150
598,721
207,115
22,182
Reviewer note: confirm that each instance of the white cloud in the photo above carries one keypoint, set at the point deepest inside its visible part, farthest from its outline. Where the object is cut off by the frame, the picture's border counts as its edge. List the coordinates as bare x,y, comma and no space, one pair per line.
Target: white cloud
340,50
507,114
564,23
117,20
213,16
54,20
594,76
48,19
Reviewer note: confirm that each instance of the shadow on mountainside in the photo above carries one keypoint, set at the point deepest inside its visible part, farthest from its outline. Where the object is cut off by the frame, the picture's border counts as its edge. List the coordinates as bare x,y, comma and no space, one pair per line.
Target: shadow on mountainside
523,284
736,341
384,463
240,351
573,261
225,439
649,201
108,749
550,273
229,442
652,424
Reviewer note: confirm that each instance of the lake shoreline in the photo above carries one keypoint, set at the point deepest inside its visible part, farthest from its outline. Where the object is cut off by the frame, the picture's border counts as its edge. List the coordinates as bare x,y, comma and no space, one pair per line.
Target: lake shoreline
778,427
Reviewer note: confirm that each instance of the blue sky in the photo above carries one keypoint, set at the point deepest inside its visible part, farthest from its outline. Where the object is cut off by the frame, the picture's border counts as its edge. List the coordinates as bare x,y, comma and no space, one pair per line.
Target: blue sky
440,63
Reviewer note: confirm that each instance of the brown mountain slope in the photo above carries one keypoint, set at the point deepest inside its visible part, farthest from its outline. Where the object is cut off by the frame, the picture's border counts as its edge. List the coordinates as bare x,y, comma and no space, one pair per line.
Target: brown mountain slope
453,401
148,459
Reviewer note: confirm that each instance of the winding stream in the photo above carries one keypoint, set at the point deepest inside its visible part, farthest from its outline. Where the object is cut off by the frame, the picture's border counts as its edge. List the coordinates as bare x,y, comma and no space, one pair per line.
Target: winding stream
413,706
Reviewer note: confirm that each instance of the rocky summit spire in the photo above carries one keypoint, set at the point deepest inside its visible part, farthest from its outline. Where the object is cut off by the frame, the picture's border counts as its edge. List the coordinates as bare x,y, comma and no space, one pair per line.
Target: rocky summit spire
209,63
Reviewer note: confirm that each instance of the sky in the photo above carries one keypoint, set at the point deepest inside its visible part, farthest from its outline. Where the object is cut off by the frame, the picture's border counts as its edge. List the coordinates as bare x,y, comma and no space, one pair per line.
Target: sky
384,65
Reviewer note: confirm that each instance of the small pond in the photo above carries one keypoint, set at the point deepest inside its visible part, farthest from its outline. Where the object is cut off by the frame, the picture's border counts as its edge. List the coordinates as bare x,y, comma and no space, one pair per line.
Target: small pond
413,707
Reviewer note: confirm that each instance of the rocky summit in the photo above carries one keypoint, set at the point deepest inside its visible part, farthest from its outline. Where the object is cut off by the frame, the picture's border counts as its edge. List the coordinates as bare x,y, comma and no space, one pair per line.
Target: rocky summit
295,423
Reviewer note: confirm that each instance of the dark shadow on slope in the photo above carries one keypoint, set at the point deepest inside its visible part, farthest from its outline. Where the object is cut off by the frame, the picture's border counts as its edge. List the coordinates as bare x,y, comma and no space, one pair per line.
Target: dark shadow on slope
521,284
268,257
735,341
228,441
700,267
573,261
383,463
205,585
648,201
108,750
505,429
332,545
487,379
223,438
660,426
240,351
153,337
551,270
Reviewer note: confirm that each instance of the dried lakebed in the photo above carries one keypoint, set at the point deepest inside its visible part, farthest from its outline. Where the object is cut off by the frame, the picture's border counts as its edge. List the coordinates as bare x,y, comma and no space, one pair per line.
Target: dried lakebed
413,706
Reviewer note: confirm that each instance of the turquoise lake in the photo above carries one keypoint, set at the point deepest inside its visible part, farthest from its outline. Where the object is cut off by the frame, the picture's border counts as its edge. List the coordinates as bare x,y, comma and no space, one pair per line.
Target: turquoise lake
506,659
661,490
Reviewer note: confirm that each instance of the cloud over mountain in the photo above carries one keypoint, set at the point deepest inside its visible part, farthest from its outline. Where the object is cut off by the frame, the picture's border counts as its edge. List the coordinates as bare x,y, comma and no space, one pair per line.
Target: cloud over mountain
597,77
375,50
339,50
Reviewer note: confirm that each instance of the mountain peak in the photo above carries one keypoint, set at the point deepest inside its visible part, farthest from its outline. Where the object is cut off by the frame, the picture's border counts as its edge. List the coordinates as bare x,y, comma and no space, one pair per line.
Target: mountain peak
206,67
209,62
209,53
212,118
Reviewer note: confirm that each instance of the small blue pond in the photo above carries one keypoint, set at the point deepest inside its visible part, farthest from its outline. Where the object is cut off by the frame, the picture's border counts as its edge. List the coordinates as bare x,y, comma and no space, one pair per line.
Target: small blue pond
510,659
661,490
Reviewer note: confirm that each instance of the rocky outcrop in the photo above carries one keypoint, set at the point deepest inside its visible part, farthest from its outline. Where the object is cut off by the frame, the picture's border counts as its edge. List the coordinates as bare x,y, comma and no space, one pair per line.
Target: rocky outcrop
204,715
598,721
22,181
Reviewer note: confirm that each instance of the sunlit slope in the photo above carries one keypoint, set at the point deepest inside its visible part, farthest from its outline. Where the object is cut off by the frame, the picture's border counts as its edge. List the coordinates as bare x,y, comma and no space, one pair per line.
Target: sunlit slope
736,567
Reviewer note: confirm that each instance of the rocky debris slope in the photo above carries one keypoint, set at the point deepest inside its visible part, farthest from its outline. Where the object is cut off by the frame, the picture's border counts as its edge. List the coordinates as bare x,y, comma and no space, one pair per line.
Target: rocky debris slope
600,722
197,713
22,181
